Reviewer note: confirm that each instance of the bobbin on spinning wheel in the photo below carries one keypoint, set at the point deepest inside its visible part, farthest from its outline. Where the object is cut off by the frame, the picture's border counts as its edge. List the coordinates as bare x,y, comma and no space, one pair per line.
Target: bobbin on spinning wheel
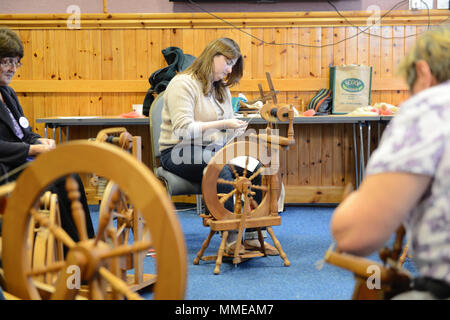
124,140
96,259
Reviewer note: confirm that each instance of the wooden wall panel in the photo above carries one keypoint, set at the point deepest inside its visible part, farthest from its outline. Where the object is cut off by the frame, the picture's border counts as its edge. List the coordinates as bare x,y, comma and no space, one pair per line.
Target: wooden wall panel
103,68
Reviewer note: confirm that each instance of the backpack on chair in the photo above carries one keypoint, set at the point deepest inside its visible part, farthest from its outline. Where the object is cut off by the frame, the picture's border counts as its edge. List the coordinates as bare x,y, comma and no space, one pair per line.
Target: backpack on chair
177,61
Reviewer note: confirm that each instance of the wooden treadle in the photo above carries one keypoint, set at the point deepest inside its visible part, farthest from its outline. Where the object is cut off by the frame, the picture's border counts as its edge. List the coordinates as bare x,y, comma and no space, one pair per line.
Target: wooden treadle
233,224
253,254
148,280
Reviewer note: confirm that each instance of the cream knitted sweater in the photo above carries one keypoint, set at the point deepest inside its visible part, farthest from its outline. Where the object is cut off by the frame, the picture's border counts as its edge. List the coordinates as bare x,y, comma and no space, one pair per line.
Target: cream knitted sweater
185,107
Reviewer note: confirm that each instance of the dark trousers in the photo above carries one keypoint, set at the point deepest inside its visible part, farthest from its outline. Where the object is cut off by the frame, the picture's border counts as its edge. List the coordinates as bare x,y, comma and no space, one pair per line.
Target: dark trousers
194,160
67,223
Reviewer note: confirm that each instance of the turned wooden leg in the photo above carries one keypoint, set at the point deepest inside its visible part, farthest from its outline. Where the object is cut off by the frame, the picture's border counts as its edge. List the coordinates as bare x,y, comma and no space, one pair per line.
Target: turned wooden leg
204,246
402,258
220,252
237,258
261,241
278,246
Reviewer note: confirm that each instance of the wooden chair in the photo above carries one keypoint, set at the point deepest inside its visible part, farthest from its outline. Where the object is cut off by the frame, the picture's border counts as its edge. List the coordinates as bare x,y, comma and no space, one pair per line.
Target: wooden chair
250,214
175,185
97,261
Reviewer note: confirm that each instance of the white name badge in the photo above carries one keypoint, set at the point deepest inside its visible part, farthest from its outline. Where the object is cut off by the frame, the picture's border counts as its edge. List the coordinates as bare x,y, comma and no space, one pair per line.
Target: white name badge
24,122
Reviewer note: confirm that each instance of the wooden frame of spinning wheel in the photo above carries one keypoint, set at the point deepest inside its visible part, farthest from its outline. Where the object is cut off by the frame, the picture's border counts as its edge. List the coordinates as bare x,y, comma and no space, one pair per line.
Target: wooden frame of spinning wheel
392,278
145,193
133,144
264,214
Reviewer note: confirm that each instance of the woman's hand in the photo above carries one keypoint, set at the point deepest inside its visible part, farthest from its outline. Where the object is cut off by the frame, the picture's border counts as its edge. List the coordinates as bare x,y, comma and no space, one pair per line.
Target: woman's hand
44,146
48,142
234,124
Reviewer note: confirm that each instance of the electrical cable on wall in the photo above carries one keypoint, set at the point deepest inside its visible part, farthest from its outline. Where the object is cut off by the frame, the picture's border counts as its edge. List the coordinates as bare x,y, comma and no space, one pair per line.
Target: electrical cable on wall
360,30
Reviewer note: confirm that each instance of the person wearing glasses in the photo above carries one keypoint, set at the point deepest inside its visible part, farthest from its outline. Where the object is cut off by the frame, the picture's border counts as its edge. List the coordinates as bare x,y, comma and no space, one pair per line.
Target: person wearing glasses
198,120
18,143
408,175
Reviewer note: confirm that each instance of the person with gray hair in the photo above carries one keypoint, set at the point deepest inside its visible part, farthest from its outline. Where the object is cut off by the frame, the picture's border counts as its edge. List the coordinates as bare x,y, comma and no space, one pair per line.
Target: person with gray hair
19,145
408,175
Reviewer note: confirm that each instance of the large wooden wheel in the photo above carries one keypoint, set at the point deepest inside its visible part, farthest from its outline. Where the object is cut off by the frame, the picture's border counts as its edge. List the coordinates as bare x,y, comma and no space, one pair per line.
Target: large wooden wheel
270,187
97,259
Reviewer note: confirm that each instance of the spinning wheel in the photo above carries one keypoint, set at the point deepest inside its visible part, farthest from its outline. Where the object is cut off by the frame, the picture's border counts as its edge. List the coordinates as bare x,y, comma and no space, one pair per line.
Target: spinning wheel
247,150
263,148
392,279
127,219
96,259
125,225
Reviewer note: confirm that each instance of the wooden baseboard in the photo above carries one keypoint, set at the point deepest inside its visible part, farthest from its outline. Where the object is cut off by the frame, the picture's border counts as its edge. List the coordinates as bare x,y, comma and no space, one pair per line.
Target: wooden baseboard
296,195
313,194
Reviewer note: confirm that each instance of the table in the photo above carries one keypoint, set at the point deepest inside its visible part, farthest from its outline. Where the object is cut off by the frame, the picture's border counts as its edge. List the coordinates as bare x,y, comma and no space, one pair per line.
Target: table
67,122
359,123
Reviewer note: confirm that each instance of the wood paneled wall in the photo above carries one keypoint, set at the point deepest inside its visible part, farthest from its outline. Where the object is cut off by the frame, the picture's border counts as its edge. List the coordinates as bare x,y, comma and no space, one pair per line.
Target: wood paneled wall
103,67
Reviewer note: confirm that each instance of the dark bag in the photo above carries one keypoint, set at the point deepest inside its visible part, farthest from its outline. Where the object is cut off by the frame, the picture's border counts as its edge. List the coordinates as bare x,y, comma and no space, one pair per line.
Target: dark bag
177,61
321,102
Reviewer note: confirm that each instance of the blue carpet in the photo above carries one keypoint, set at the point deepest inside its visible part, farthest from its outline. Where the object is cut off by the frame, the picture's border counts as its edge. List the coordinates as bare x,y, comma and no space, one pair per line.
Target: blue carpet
305,237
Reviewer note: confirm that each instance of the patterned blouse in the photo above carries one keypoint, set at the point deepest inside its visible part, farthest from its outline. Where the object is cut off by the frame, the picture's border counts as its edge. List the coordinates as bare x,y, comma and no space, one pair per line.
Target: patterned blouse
417,141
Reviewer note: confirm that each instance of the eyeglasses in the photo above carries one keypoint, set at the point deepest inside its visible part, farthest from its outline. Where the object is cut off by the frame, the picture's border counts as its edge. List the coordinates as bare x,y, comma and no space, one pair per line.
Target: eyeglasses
9,62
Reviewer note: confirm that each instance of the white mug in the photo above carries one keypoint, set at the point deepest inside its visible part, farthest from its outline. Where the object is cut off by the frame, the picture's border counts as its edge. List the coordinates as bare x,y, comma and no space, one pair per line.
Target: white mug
138,108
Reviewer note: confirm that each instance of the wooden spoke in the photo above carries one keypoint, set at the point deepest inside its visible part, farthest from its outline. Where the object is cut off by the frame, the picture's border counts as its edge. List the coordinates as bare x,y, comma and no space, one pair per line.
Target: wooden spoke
118,285
247,159
46,269
119,215
103,221
233,169
127,235
57,231
262,188
73,194
226,196
223,181
256,173
115,263
121,229
126,249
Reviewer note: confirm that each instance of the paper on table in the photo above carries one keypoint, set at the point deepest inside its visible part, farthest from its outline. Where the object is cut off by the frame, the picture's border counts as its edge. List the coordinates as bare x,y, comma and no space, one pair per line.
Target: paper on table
240,162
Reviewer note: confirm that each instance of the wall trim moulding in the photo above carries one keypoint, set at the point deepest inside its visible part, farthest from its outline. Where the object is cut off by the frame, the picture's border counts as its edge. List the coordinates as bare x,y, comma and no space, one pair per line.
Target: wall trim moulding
205,20
141,86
